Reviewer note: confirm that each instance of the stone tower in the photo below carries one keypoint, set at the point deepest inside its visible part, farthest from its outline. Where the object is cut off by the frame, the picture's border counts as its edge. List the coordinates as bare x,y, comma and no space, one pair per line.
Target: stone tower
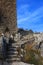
8,15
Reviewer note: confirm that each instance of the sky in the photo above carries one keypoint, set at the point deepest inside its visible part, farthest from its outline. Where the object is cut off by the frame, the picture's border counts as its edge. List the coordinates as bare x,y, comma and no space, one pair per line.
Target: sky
30,14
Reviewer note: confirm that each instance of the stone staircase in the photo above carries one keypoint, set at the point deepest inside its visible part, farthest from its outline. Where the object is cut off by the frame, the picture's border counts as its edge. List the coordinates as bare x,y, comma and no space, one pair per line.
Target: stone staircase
13,53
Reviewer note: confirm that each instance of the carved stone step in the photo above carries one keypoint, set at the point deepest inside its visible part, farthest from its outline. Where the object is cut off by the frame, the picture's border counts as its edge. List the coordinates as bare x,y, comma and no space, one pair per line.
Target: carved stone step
13,56
14,46
10,52
12,49
13,59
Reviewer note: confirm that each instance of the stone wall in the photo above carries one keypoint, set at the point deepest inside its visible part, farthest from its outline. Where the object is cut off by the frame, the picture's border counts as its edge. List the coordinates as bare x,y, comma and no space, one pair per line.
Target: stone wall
8,15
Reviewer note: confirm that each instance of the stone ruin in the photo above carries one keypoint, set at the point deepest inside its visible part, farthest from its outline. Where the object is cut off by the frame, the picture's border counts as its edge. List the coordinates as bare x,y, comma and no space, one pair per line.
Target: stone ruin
8,15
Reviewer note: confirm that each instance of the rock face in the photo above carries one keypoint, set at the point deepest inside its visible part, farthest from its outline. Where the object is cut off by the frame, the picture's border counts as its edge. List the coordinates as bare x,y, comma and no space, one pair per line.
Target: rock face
8,15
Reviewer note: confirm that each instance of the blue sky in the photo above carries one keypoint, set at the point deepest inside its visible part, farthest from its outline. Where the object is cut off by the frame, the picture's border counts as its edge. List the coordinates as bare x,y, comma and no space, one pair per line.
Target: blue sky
30,14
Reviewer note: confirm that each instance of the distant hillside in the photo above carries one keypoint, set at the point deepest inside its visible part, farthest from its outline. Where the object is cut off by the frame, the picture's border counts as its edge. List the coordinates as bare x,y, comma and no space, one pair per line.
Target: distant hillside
24,32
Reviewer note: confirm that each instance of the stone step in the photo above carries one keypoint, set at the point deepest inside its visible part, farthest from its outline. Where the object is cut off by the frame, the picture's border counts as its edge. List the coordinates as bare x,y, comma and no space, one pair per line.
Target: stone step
15,48
13,56
13,59
12,49
10,52
15,44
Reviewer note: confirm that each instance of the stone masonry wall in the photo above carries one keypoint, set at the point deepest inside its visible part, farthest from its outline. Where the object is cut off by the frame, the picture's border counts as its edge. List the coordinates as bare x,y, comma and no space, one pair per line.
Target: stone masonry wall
8,15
